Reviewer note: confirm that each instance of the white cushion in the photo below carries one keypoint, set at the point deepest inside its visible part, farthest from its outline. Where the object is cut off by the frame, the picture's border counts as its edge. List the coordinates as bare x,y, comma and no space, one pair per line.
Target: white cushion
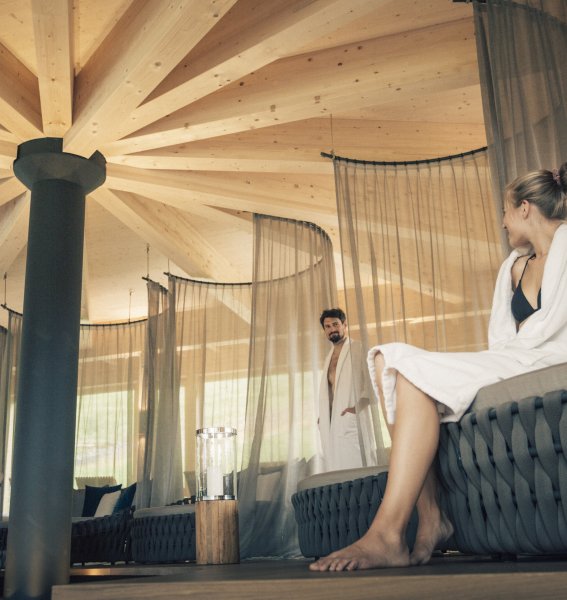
107,504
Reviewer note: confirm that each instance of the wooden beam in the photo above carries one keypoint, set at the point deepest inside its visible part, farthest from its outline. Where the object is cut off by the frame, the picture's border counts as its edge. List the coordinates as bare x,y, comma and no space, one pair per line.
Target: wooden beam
154,160
10,188
19,97
369,73
8,152
147,43
52,21
254,34
14,231
308,198
170,231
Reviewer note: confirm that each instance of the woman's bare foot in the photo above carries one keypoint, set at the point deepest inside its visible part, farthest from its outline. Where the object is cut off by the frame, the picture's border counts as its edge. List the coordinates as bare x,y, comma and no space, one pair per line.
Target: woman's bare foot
372,551
431,531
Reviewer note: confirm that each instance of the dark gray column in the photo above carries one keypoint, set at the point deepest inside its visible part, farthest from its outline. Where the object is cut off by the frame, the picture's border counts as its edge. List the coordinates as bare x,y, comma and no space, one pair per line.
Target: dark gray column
39,533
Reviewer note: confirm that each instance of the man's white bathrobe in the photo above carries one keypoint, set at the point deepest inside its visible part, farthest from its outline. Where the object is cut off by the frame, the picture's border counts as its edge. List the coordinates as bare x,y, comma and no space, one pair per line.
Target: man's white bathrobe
347,441
454,378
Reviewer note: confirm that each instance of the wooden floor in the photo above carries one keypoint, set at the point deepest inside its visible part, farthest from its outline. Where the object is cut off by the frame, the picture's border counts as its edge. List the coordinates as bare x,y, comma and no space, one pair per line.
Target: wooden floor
455,577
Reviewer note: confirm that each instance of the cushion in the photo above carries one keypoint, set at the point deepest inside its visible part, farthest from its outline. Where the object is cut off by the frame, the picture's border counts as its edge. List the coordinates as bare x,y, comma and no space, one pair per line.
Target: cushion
126,498
107,504
93,496
526,385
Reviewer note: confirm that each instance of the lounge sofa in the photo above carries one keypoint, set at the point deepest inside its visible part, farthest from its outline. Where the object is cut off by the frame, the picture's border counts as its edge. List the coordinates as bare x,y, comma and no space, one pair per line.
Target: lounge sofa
502,470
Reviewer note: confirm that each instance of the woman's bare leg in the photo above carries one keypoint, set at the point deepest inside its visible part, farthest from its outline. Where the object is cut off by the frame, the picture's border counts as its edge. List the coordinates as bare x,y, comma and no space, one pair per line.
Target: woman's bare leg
414,444
434,526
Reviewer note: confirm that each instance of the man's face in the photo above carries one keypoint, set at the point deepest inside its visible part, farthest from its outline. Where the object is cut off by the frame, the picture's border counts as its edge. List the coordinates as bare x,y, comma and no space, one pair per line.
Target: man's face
334,329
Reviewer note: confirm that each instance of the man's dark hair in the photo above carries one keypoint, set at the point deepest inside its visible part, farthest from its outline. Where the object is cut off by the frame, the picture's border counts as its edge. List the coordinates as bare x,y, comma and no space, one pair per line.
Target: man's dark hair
332,313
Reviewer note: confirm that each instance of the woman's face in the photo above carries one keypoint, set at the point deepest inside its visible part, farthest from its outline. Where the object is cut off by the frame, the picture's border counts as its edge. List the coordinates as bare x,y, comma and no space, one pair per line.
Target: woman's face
515,223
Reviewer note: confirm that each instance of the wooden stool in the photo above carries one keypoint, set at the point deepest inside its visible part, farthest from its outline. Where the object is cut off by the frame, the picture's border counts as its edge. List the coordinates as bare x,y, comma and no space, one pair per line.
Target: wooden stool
216,522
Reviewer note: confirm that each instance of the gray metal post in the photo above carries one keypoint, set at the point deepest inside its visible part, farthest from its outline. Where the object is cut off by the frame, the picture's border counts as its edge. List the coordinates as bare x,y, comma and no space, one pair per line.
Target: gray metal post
39,533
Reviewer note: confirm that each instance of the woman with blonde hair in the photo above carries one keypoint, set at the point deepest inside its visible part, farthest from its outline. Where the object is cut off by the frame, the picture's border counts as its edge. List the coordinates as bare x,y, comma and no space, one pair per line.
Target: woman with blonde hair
420,389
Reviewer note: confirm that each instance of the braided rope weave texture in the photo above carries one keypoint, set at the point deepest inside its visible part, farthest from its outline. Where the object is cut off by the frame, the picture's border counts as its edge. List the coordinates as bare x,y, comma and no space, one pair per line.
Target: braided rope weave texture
164,538
330,517
504,474
104,539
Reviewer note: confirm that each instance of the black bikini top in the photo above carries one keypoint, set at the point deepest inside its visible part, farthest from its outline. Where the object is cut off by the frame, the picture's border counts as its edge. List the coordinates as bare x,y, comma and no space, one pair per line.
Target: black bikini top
521,308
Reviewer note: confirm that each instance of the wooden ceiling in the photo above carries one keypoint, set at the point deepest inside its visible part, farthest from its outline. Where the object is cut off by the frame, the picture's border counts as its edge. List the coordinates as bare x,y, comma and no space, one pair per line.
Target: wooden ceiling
209,110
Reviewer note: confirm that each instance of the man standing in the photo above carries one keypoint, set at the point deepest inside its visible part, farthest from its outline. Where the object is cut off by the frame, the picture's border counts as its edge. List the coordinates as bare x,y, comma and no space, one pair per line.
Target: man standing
345,422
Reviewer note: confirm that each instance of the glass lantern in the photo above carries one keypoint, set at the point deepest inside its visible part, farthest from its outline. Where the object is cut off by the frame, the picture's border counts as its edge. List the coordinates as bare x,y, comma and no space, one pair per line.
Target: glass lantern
216,463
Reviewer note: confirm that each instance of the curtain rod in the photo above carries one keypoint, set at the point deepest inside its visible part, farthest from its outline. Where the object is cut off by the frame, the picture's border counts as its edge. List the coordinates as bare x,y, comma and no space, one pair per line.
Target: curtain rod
141,320
403,162
201,282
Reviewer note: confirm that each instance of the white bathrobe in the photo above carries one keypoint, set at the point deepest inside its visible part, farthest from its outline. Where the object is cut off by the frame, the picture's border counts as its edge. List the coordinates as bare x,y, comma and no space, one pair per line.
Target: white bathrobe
347,441
454,378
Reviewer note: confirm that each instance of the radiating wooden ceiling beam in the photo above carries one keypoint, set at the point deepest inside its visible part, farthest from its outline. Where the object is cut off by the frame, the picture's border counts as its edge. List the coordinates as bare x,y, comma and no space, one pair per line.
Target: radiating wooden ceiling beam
165,190
19,98
53,33
312,85
14,231
276,194
8,152
266,31
10,188
146,44
244,165
170,231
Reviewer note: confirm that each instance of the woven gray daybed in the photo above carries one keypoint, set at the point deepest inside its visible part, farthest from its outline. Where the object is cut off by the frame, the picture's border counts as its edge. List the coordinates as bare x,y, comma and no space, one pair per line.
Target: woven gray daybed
503,467
335,509
164,534
503,474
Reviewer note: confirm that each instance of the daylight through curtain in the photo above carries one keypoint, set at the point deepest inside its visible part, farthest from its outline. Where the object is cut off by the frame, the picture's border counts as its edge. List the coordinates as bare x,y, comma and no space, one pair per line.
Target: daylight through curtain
248,355
294,279
10,348
420,249
108,397
160,478
522,53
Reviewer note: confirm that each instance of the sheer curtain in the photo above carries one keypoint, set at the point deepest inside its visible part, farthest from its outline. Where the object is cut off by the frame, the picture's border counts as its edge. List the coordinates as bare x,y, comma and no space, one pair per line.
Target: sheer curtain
294,278
108,398
420,248
522,53
212,339
248,356
10,339
159,447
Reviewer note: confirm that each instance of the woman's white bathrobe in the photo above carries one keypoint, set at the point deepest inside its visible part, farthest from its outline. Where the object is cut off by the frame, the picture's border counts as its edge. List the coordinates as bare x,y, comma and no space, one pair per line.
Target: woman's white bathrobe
454,378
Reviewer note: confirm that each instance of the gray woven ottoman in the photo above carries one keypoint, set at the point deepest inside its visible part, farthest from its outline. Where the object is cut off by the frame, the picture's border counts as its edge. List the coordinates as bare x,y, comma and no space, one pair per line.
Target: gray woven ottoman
163,535
335,509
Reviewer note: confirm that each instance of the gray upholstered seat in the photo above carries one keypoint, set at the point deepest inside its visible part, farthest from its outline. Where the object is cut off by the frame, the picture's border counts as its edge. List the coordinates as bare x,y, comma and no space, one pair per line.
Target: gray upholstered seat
164,534
335,509
503,467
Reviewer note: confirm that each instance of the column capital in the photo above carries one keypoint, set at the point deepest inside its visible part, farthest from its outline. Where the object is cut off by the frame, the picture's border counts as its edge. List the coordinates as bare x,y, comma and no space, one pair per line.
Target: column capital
43,158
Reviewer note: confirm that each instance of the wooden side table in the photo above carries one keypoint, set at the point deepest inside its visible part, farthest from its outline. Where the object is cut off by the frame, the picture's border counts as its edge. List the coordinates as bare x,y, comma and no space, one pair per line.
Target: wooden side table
216,523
